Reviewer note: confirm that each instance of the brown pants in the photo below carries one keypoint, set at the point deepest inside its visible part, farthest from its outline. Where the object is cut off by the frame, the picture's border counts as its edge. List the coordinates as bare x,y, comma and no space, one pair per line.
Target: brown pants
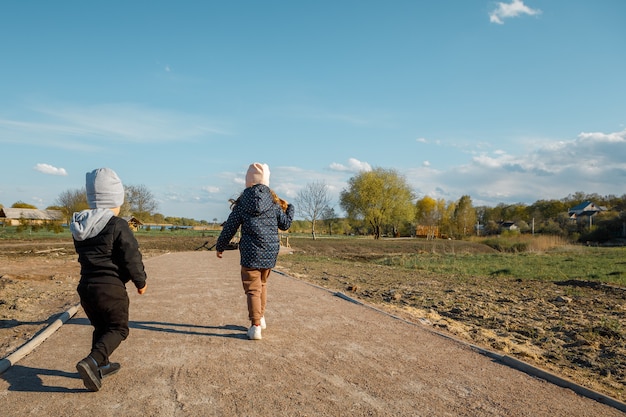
255,285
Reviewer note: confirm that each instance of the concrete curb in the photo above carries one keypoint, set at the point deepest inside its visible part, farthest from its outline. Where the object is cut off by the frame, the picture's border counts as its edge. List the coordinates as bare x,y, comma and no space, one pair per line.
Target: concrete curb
503,359
25,349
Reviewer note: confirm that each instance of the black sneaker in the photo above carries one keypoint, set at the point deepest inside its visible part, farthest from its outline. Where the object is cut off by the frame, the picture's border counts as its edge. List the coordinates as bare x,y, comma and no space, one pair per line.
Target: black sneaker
88,370
109,369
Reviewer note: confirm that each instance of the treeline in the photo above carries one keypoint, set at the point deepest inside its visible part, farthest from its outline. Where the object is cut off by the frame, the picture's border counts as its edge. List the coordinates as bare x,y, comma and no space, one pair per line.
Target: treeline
459,219
138,202
381,203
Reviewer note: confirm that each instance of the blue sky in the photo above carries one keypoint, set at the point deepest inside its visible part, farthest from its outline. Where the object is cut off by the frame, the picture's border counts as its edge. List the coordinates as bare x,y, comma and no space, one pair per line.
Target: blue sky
507,102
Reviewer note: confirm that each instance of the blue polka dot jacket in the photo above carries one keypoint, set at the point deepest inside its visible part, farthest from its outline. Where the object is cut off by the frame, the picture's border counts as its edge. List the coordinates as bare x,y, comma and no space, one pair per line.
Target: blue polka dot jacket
260,218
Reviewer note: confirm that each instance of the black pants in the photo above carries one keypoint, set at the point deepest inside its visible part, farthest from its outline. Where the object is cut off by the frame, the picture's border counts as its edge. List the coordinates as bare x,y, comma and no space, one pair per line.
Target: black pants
106,307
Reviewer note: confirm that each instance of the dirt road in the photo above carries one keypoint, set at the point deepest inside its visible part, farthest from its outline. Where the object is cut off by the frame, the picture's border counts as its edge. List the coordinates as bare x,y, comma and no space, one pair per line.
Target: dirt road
322,355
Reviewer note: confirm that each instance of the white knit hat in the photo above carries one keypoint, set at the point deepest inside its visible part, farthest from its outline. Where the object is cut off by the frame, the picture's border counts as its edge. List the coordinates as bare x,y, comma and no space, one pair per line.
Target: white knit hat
258,174
104,189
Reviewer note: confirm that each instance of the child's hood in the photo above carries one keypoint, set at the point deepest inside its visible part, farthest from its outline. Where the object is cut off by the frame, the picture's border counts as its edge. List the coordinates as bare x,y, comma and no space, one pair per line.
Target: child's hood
88,223
256,200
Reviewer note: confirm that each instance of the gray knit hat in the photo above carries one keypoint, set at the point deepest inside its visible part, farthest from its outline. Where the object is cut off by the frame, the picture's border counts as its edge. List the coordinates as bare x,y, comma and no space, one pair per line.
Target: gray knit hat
104,189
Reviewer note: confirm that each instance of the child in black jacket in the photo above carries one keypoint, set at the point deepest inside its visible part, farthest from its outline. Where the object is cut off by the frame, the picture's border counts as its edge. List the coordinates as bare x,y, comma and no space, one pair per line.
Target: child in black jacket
109,257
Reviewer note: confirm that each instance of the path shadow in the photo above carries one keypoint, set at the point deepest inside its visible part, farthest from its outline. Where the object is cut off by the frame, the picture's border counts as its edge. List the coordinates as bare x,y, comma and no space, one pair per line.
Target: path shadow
178,328
10,323
81,321
27,379
185,329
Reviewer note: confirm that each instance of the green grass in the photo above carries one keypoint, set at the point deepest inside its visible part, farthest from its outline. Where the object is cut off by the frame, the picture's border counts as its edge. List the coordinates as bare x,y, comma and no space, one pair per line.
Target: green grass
606,265
11,233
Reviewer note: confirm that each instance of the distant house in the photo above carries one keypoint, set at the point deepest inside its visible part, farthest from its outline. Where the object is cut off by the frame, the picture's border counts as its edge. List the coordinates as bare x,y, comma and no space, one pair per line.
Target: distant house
508,225
133,222
586,208
15,216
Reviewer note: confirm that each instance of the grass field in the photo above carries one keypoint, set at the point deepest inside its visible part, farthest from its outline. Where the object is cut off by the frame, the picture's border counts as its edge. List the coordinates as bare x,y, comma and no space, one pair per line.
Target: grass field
607,265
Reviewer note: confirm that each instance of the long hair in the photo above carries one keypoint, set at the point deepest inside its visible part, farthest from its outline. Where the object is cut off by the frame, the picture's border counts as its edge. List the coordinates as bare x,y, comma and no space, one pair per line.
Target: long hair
282,203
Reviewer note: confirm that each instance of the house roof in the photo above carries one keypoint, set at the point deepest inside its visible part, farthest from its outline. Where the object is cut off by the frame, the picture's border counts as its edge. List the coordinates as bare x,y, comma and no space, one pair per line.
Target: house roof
30,214
586,208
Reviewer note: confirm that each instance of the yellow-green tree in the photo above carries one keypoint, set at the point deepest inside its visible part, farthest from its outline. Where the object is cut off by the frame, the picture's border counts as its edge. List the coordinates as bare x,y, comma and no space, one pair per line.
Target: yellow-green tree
430,213
380,198
464,216
21,204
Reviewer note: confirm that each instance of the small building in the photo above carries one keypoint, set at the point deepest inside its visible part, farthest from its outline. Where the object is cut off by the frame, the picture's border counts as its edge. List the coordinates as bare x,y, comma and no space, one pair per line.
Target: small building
133,222
586,208
17,216
508,225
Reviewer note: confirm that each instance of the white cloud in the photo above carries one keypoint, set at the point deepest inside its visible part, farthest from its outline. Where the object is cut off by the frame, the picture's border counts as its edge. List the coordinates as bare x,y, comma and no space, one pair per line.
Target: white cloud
211,189
508,10
592,162
50,170
617,137
426,164
354,165
421,140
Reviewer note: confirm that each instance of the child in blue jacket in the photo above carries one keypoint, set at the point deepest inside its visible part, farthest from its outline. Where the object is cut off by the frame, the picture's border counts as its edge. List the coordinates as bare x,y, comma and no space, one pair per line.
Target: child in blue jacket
260,214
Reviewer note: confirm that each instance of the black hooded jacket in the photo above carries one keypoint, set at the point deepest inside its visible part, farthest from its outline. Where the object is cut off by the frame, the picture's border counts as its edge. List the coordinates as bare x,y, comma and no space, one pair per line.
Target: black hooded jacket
110,255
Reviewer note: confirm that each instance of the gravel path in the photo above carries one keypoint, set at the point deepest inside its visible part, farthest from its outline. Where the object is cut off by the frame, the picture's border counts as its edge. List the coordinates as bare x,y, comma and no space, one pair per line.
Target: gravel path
321,355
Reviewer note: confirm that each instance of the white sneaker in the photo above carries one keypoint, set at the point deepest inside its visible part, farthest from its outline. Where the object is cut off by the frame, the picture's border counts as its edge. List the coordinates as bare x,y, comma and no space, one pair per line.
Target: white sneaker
263,325
254,333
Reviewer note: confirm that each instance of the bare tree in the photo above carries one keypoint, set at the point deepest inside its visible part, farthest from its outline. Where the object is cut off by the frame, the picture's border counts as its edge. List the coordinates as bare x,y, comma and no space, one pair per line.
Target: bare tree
311,202
139,202
72,201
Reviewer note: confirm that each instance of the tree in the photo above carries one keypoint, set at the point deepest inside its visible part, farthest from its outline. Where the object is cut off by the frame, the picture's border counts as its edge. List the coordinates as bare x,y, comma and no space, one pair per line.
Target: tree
311,202
447,217
329,217
379,197
464,216
429,212
21,204
139,202
158,218
72,201
432,214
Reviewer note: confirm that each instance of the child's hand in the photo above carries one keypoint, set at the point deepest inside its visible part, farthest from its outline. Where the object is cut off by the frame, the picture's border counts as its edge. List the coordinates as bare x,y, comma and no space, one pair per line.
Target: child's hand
219,254
140,291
